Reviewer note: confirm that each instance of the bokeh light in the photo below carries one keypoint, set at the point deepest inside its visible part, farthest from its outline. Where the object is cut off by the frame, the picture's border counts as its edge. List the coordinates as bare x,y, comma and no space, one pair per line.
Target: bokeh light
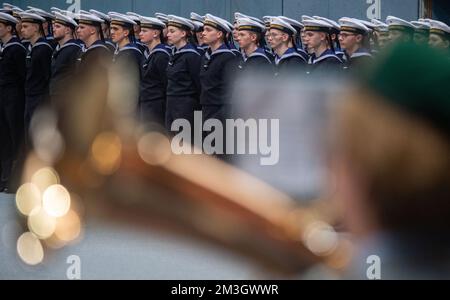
29,249
154,148
106,152
28,198
41,223
56,200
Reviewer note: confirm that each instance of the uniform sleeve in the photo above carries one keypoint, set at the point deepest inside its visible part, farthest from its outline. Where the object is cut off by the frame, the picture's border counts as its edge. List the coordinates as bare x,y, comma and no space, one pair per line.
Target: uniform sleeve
194,63
19,58
44,58
161,63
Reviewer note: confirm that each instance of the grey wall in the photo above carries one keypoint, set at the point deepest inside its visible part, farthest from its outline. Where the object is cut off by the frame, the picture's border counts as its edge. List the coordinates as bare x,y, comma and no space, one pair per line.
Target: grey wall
408,9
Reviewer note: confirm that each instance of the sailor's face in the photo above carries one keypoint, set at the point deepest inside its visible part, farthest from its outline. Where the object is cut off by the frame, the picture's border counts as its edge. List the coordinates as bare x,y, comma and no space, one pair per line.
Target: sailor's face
276,38
383,40
85,31
29,30
436,41
236,33
246,39
118,33
210,35
397,36
313,39
175,35
347,40
200,37
3,30
420,39
59,31
19,27
147,35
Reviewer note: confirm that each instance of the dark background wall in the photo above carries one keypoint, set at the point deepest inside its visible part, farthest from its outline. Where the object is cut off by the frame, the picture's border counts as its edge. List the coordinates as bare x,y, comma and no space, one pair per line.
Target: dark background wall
441,10
408,9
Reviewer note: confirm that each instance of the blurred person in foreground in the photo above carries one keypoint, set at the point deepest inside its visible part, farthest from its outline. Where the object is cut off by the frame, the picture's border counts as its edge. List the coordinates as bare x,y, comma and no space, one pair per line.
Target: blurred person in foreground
391,159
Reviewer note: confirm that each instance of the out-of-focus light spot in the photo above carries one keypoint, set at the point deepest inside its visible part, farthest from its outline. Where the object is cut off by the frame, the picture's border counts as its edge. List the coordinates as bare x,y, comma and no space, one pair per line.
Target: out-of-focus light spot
68,228
154,148
28,198
106,153
320,238
41,223
30,249
44,178
56,201
47,140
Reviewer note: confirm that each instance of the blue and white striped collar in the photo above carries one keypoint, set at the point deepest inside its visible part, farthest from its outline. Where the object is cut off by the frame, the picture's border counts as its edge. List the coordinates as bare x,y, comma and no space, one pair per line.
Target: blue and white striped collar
289,53
326,54
361,52
187,48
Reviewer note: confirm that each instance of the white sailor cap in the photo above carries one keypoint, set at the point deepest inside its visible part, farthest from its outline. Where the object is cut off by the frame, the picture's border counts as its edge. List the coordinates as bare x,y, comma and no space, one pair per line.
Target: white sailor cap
197,17
368,24
333,24
89,19
101,15
421,27
152,23
29,17
180,22
353,26
70,14
317,25
279,24
121,20
395,23
380,26
438,27
250,25
228,24
7,18
41,12
238,15
162,17
134,16
64,20
16,11
425,20
305,18
8,6
298,26
267,20
55,9
216,23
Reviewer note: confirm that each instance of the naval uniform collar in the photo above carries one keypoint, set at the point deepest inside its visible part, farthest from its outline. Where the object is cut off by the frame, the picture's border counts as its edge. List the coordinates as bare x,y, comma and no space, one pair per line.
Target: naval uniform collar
326,54
361,52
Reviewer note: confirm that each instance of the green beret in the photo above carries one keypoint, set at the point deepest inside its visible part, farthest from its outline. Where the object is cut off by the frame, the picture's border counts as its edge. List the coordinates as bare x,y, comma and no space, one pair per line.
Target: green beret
415,79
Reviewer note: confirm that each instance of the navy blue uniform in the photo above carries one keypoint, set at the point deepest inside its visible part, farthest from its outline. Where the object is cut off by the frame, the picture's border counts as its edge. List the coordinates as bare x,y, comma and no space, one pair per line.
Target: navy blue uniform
12,98
152,102
111,45
290,61
327,63
215,78
183,87
63,67
38,77
359,59
256,61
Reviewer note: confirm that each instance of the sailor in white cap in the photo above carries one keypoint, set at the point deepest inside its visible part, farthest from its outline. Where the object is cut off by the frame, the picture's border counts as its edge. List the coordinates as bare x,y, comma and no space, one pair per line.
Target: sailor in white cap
64,57
302,35
381,34
354,39
137,29
297,40
128,52
165,19
334,33
318,39
183,73
439,35
251,36
218,64
197,20
106,28
400,31
421,32
39,58
12,75
287,58
47,25
153,86
96,52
